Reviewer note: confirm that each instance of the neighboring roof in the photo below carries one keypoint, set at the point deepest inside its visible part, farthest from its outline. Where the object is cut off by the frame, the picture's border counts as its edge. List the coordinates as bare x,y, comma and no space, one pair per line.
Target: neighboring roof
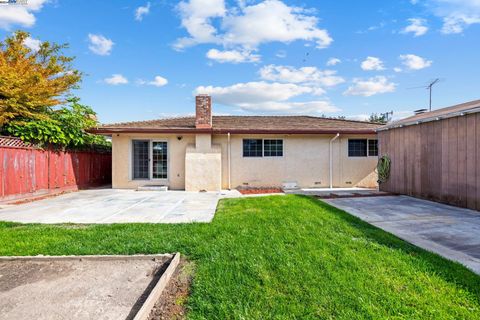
245,124
444,113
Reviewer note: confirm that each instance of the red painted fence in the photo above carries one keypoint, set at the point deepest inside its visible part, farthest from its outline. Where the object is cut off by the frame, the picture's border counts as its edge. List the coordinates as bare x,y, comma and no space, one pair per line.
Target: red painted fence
27,171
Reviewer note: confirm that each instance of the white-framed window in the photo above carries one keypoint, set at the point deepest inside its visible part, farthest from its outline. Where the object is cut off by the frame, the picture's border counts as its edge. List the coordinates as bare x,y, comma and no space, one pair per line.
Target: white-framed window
149,159
258,148
362,147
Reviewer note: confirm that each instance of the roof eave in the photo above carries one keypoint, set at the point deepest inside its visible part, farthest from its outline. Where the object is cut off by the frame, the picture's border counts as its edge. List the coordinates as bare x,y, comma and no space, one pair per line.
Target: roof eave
110,131
407,123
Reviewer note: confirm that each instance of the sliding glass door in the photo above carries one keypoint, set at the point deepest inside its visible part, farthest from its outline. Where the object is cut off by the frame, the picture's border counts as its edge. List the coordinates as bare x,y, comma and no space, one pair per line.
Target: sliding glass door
141,159
149,160
159,159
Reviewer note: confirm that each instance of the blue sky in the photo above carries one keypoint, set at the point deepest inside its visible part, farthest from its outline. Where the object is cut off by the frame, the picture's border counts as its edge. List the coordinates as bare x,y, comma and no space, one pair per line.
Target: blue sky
147,59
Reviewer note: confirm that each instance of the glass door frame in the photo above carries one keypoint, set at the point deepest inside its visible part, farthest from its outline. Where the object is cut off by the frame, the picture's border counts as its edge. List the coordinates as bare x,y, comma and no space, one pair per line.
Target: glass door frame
150,160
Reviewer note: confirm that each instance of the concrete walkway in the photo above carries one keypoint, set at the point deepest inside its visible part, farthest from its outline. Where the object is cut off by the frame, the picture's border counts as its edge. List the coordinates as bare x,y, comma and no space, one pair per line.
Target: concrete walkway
451,232
117,206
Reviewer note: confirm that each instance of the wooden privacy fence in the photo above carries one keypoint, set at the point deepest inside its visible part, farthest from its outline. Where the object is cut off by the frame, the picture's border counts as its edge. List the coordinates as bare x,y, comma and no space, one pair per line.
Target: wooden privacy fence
28,171
438,160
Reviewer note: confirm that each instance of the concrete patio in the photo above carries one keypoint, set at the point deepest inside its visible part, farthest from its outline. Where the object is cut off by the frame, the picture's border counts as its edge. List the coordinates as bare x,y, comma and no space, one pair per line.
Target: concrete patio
451,232
117,206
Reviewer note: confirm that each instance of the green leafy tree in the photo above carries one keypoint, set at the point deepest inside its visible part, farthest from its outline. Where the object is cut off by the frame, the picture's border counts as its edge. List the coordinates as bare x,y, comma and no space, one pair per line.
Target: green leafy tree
66,127
31,82
378,118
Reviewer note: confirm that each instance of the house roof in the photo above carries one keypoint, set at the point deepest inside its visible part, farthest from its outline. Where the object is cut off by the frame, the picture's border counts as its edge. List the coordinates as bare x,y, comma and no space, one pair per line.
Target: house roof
245,124
449,112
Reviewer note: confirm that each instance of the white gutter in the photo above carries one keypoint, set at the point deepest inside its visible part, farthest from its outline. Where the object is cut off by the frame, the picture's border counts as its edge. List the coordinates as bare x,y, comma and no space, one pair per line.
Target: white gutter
331,159
229,160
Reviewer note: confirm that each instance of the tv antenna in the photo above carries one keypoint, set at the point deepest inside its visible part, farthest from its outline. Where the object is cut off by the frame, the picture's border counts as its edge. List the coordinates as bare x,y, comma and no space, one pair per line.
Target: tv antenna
429,87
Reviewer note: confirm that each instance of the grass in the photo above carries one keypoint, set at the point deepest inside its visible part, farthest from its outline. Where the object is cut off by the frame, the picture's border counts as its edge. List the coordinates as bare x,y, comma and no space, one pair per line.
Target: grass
280,257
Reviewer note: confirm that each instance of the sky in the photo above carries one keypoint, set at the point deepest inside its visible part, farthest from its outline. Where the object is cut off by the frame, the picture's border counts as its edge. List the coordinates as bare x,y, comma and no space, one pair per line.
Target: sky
147,59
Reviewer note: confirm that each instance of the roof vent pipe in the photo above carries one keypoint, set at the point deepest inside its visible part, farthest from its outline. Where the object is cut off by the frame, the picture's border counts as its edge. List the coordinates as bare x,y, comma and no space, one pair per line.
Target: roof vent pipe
420,111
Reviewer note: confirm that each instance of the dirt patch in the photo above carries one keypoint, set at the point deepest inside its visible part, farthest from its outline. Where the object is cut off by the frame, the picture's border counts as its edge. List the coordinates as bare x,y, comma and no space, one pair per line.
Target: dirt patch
77,287
171,304
260,190
16,273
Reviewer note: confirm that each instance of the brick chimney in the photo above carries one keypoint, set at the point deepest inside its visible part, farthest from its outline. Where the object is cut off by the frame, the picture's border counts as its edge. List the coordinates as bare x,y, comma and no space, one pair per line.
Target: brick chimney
203,111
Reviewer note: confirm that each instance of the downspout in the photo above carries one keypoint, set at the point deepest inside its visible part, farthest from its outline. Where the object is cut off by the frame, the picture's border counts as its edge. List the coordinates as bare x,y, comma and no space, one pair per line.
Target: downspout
229,160
331,159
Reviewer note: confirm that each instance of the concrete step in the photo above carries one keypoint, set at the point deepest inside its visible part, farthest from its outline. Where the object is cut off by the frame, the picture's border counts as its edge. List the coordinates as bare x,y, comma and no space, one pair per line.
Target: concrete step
153,188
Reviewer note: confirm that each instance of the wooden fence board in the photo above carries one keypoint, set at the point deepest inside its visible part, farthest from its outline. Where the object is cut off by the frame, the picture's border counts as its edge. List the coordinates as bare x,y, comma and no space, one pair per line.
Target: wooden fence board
29,171
437,160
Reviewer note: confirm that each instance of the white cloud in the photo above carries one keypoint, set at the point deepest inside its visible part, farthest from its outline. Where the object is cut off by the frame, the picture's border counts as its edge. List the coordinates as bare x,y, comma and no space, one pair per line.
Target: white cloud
372,64
317,106
333,61
100,45
281,54
398,115
370,87
158,81
22,15
254,92
142,11
273,21
264,96
233,56
456,23
248,26
32,44
397,69
196,18
116,79
358,117
417,26
457,15
306,75
414,62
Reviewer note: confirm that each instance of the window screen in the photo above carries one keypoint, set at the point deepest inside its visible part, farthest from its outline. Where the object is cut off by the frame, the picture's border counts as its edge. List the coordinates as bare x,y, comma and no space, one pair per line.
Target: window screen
273,148
252,147
357,148
373,148
140,159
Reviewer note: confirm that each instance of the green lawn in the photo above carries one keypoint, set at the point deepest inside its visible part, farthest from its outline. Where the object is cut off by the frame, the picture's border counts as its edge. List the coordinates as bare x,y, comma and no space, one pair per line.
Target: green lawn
280,257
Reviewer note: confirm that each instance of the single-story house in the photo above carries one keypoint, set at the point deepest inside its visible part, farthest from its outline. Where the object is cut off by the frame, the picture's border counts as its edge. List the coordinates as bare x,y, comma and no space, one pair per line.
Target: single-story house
208,152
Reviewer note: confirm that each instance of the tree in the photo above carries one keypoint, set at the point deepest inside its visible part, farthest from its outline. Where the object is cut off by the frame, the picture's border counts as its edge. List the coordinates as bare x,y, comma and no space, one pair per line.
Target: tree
66,127
378,118
32,82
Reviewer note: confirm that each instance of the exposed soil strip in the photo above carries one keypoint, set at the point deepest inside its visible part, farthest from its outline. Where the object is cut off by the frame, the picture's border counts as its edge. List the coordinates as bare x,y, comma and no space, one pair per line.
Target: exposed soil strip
172,303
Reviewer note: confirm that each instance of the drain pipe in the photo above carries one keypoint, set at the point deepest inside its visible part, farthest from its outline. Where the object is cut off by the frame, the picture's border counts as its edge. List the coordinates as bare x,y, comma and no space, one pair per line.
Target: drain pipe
229,161
331,159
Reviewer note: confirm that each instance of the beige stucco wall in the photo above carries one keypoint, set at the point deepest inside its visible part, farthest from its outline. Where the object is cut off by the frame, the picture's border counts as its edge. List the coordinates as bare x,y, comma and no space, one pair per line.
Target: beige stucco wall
305,161
203,168
122,158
